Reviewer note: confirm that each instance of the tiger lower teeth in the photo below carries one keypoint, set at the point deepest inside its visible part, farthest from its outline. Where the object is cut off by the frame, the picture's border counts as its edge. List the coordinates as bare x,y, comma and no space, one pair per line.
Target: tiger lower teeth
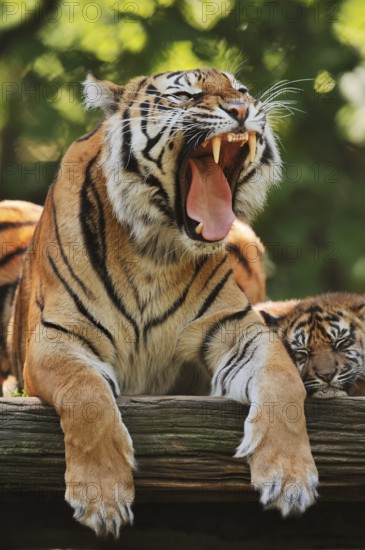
199,229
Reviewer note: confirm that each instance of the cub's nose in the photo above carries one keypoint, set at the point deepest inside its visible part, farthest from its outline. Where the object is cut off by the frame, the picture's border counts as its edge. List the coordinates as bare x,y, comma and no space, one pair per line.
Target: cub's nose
326,376
237,109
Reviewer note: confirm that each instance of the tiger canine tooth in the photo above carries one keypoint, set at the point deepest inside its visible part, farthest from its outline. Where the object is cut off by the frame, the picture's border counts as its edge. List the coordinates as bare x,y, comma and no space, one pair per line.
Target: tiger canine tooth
252,146
216,146
199,229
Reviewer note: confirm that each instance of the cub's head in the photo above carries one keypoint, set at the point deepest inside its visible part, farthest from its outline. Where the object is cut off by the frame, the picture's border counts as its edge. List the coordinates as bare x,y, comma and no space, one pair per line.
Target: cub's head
184,153
325,337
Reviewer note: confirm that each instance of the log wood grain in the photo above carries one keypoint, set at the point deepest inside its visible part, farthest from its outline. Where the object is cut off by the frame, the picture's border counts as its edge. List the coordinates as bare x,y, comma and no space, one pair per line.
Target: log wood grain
184,447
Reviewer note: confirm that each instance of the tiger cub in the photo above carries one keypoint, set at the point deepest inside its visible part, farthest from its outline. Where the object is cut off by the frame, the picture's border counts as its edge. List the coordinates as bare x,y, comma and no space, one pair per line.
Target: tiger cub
325,337
17,223
127,288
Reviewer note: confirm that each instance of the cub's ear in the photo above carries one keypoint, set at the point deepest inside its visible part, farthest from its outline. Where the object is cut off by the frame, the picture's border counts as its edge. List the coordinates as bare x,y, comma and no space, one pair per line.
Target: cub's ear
272,321
102,94
274,313
359,310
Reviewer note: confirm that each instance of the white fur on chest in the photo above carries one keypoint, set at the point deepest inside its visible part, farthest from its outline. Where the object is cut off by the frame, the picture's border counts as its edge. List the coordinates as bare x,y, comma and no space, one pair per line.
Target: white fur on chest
148,363
150,367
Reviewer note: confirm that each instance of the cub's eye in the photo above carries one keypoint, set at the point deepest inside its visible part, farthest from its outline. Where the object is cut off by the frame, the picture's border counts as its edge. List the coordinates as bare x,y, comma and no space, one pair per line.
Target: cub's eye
243,90
341,344
301,354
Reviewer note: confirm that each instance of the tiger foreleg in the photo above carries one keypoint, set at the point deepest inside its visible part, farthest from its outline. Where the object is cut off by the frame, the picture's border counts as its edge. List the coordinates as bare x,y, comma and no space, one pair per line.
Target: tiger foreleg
99,451
251,366
258,371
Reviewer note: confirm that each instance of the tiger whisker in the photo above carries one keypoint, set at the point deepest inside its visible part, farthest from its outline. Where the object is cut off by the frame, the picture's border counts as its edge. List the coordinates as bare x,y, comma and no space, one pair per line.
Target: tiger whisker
274,86
232,68
279,93
281,85
287,106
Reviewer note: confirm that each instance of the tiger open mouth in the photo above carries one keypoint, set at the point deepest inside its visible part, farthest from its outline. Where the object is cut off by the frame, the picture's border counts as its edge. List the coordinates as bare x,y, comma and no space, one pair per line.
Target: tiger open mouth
208,177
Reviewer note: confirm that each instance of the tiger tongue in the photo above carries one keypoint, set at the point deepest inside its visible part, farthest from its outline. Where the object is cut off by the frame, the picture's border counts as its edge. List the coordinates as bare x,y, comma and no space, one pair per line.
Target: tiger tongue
210,199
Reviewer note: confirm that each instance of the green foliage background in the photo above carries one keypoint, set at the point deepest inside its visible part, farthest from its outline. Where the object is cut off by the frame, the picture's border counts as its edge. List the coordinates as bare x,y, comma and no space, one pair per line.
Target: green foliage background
313,224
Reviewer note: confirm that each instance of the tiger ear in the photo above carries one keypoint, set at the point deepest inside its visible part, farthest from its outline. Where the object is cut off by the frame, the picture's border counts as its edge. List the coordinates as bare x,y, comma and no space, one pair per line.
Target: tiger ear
102,94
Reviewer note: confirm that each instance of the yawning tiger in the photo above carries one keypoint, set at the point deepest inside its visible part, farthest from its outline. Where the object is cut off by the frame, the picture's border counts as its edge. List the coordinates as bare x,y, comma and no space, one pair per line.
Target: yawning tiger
127,286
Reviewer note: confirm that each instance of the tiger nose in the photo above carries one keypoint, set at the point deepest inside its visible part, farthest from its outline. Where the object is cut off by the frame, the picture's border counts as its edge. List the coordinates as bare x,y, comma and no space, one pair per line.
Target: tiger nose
237,109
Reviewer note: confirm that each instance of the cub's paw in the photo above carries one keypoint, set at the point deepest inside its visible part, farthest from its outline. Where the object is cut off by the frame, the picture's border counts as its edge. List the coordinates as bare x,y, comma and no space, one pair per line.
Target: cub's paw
101,494
282,469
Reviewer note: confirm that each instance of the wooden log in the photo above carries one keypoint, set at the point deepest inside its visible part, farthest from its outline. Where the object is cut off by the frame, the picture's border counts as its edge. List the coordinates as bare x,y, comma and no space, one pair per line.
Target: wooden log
184,447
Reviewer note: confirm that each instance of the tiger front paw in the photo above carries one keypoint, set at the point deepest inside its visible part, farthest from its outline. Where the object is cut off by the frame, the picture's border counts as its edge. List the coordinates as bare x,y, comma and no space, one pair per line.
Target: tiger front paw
282,467
101,491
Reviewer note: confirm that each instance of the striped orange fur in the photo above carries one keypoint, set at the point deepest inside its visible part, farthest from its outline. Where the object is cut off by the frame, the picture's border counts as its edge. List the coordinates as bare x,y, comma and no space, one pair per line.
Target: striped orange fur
17,223
127,286
325,337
